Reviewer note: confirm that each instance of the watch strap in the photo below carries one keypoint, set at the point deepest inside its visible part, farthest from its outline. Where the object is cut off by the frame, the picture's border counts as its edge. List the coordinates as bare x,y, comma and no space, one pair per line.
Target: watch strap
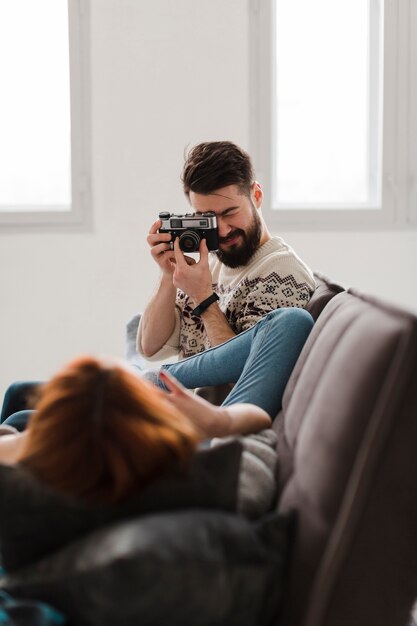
205,304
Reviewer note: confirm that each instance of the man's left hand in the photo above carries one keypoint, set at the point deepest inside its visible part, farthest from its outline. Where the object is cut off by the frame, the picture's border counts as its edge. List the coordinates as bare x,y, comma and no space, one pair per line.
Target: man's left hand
194,280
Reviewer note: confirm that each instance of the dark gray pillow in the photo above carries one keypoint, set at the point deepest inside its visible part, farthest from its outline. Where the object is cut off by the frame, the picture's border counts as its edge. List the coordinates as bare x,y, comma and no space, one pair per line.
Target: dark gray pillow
183,569
36,520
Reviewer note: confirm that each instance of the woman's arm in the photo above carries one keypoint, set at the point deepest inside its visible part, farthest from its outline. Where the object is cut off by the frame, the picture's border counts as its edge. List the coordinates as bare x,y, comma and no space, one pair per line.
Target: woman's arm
11,447
215,421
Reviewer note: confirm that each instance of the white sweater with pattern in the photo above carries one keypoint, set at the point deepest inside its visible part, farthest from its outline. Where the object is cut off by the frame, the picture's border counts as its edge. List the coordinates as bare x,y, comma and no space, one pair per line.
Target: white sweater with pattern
274,277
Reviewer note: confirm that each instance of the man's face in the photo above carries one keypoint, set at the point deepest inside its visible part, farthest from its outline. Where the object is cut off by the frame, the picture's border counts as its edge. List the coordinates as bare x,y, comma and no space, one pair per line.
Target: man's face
240,226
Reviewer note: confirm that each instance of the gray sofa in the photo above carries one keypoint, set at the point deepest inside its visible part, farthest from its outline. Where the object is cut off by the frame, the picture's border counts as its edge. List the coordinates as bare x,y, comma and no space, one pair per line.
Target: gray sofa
347,444
347,438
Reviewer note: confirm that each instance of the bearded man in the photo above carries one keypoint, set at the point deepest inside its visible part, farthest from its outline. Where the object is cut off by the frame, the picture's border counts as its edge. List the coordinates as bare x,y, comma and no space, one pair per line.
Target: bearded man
199,305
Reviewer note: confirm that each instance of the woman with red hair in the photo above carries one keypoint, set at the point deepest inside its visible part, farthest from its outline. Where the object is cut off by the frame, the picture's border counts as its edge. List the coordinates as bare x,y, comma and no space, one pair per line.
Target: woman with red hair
101,433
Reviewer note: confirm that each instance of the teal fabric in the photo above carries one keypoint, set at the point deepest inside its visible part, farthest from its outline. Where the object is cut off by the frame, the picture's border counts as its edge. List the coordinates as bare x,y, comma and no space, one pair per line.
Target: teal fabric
20,612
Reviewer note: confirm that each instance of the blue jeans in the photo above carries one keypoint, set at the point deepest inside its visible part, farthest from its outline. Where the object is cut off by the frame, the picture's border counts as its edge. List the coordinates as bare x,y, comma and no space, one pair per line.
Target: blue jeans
259,360
15,401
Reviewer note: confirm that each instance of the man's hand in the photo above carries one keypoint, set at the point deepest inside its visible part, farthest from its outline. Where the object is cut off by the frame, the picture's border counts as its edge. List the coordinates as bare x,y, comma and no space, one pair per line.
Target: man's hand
194,279
161,249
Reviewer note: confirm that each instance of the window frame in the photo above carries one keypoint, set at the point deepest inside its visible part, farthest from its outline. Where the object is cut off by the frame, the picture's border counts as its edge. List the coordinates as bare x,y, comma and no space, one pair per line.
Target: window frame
78,216
398,209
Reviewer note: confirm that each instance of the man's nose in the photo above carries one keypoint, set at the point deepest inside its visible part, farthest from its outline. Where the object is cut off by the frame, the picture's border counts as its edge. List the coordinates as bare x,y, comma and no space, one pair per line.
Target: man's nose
224,228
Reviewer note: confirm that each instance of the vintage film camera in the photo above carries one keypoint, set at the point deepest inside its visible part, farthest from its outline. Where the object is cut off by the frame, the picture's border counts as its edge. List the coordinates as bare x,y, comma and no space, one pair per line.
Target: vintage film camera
191,229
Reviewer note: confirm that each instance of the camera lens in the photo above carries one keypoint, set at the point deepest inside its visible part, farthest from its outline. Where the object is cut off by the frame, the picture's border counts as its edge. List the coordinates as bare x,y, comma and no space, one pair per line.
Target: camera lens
189,241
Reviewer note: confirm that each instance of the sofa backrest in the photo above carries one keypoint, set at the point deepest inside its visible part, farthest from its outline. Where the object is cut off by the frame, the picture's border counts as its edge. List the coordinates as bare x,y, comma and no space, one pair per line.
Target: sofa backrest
326,289
348,454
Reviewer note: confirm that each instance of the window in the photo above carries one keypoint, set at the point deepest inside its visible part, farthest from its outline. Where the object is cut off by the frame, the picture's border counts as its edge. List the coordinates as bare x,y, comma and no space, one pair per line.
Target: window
44,126
333,90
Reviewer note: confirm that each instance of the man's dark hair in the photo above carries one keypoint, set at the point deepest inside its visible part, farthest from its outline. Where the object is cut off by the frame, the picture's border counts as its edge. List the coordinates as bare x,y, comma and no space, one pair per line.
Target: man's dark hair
216,164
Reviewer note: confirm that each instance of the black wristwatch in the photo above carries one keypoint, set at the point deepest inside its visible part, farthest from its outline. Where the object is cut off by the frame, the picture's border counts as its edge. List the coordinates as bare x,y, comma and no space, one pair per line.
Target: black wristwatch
205,304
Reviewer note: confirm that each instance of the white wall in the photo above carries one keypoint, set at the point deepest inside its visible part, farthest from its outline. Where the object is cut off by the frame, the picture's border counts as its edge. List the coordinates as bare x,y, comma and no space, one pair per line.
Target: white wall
165,75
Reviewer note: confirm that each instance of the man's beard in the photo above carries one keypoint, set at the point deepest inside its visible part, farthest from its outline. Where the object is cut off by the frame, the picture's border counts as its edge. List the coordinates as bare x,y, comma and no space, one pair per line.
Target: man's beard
240,254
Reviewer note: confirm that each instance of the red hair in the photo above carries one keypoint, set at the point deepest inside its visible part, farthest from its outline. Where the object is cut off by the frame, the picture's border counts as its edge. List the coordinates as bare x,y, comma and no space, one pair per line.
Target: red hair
101,432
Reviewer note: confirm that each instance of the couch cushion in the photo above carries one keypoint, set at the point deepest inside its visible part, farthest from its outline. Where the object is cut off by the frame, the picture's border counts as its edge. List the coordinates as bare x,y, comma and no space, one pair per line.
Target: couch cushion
347,441
181,569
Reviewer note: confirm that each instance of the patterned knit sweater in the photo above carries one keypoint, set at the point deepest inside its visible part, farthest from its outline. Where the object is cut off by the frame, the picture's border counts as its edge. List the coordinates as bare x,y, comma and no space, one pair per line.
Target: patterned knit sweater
274,277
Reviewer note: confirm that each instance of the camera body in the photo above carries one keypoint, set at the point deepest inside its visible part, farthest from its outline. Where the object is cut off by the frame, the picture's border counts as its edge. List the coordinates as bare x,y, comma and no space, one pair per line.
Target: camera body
191,229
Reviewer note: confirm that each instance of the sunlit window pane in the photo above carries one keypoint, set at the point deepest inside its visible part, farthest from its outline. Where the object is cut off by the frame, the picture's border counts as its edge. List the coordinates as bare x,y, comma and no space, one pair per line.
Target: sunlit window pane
325,142
35,151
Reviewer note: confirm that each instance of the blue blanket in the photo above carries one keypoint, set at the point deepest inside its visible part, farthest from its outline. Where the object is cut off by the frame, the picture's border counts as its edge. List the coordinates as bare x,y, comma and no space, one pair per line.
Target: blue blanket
27,613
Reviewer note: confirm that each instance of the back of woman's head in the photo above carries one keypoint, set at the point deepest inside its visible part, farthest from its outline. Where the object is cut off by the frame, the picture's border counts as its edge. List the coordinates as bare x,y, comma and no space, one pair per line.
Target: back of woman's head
102,433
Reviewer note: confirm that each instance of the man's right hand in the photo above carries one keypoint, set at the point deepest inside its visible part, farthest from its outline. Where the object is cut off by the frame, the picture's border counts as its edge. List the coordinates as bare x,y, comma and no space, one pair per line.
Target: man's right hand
161,249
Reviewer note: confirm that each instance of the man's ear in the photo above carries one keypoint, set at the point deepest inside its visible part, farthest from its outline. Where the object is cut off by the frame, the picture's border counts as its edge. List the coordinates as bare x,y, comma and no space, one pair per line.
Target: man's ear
257,194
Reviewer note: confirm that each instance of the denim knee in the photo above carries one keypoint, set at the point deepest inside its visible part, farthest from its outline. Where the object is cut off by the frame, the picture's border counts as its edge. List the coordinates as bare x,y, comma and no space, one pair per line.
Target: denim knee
291,316
15,398
19,420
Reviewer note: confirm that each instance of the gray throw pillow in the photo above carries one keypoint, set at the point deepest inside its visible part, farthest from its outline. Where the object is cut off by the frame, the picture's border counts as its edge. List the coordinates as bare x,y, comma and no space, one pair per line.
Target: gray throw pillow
257,489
